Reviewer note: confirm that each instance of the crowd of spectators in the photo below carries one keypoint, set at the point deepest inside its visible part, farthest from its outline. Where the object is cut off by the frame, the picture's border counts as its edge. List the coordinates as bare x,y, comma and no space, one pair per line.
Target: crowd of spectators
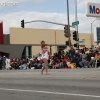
82,58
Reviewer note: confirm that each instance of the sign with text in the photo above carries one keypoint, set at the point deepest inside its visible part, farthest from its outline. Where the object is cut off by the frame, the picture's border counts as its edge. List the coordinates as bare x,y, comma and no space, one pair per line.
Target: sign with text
75,23
93,10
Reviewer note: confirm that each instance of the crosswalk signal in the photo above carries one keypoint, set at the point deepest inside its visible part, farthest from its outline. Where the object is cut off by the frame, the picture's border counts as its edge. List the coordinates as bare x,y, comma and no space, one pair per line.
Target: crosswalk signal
75,36
76,45
22,23
68,42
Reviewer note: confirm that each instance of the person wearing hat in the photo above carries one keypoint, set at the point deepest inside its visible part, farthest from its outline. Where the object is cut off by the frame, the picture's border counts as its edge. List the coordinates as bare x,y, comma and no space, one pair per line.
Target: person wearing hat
4,62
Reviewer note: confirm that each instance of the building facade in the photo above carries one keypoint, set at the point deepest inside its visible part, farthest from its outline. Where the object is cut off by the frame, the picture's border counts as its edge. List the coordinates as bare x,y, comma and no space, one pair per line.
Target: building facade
54,38
25,42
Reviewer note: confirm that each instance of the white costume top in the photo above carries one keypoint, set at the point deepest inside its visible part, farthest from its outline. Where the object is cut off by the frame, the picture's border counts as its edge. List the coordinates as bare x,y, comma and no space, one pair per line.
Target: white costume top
8,63
45,53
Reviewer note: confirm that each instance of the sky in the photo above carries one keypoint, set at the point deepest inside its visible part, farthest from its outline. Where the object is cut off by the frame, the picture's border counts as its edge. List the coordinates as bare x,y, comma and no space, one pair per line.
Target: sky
13,11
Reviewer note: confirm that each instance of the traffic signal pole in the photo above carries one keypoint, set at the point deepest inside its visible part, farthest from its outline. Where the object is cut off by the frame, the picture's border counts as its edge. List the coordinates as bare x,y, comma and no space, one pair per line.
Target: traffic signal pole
76,26
68,24
47,22
22,23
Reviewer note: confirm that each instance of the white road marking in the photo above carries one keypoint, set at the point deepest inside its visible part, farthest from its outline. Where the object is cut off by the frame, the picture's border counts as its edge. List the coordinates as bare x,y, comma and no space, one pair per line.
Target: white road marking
47,92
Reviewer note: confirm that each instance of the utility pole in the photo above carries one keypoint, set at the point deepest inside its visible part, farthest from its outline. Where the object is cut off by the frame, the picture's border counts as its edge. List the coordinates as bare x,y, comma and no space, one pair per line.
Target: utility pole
76,26
68,24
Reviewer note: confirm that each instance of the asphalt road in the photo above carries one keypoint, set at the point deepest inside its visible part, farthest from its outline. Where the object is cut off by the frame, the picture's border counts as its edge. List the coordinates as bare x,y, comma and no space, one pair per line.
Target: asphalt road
61,84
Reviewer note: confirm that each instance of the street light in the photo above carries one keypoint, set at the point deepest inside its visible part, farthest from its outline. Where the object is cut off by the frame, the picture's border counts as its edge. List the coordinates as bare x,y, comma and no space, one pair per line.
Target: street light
68,22
76,27
91,30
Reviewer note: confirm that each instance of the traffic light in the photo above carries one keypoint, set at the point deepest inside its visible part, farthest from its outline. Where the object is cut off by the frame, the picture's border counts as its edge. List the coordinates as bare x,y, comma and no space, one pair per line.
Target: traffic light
68,42
22,23
75,35
76,45
66,31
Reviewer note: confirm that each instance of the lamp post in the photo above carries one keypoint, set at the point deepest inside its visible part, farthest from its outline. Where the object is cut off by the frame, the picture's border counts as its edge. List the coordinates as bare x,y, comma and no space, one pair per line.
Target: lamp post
91,31
76,27
68,23
92,27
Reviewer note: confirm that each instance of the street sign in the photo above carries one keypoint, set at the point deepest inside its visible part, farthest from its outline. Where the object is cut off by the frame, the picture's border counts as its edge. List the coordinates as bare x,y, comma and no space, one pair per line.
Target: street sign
75,23
80,42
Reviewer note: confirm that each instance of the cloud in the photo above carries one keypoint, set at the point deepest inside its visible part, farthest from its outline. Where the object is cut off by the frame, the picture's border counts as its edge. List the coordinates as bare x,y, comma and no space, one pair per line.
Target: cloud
82,3
14,20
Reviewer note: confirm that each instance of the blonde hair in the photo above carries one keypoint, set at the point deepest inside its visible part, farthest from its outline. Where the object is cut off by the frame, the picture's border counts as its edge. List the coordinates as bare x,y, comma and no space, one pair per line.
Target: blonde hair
42,45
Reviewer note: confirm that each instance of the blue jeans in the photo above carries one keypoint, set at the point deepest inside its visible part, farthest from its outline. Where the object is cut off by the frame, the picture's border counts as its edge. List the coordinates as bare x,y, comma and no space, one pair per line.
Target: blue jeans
38,65
61,65
82,64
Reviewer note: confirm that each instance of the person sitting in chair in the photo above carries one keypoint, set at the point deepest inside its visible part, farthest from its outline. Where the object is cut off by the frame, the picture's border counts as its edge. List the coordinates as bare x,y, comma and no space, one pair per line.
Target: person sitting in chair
92,62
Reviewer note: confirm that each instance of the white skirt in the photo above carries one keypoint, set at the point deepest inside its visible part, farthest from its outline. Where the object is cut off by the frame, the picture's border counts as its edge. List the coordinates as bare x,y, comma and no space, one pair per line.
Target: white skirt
45,56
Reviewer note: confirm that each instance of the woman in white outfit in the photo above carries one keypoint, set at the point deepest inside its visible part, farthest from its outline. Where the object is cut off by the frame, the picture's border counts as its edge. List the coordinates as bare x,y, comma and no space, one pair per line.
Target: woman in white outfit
8,63
44,57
